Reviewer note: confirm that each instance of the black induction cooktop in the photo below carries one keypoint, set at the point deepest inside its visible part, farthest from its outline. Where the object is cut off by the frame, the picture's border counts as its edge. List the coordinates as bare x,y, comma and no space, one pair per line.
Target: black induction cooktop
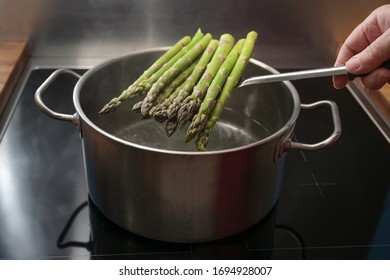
334,204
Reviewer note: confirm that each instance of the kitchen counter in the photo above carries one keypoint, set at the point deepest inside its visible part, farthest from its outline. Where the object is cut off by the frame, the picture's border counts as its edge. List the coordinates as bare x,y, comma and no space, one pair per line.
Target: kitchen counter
381,99
13,57
376,103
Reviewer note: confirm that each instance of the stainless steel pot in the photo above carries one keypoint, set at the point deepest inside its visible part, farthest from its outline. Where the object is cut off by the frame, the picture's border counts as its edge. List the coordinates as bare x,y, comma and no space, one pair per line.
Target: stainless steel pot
164,189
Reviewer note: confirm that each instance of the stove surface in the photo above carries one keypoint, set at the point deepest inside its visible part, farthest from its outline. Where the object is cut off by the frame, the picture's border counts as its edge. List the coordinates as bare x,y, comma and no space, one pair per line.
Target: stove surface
334,204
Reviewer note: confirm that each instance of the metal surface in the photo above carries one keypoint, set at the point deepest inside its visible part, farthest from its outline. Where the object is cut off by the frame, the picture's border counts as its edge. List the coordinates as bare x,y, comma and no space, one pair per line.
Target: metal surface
130,162
108,28
296,75
378,118
38,98
328,141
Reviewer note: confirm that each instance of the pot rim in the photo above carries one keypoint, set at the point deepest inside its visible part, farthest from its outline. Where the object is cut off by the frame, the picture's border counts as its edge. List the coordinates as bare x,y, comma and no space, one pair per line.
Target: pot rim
275,135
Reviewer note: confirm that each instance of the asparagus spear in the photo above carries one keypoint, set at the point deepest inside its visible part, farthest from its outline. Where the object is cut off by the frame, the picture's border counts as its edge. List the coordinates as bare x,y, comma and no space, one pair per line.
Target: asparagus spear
171,126
175,84
137,107
164,111
173,71
238,69
116,101
192,102
209,100
193,79
178,81
160,113
145,85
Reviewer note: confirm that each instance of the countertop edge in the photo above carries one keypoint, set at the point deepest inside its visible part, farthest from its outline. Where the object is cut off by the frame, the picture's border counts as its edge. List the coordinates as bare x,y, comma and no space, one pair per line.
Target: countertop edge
13,59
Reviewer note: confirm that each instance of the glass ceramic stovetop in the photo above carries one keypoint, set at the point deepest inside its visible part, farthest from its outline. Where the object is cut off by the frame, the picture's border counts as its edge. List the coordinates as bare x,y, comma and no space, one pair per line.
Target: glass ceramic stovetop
334,204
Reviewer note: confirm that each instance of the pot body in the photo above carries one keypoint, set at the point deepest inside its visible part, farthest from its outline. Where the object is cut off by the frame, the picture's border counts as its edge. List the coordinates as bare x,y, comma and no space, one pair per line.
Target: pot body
162,188
181,197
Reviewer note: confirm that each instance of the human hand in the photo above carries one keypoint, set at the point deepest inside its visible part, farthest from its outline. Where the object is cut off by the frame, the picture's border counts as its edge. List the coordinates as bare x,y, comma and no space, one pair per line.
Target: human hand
365,49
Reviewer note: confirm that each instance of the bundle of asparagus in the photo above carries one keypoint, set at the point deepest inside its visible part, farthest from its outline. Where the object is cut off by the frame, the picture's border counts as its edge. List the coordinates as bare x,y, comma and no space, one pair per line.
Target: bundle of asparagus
192,80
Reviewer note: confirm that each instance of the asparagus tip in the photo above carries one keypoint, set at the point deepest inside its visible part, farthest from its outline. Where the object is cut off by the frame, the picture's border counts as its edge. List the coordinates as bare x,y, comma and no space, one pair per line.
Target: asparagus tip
202,142
145,107
172,110
170,127
110,106
160,115
193,129
185,113
137,107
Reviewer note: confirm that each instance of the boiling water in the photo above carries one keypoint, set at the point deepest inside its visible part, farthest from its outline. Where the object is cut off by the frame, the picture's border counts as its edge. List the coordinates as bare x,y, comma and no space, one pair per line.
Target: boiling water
233,130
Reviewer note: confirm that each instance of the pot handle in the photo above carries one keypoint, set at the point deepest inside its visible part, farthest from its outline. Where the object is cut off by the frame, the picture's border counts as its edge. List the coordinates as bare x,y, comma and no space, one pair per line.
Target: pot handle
39,102
328,141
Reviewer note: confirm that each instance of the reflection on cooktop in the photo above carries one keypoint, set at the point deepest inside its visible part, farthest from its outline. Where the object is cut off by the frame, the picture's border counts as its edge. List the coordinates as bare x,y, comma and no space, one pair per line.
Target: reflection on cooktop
109,241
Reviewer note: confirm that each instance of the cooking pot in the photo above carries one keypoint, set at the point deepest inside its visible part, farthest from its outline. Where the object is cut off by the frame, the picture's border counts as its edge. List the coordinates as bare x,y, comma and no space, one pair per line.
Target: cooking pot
162,188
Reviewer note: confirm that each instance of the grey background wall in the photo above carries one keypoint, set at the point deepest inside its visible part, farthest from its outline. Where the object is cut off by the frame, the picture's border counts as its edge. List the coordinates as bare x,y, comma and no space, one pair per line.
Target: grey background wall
291,33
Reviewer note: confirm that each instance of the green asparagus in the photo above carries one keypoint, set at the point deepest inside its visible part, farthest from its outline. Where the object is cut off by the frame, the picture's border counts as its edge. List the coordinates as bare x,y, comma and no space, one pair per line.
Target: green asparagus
173,71
160,113
192,102
171,126
194,78
159,110
116,101
191,81
208,102
145,85
238,69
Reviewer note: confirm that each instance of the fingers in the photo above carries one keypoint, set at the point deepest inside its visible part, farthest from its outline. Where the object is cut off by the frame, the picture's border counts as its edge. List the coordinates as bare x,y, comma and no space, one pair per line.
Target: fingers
372,56
340,82
377,78
366,48
368,61
354,44
345,53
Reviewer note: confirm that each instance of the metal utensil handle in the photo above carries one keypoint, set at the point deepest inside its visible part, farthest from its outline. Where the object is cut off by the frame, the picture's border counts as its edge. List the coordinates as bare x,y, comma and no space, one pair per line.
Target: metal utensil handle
39,92
328,141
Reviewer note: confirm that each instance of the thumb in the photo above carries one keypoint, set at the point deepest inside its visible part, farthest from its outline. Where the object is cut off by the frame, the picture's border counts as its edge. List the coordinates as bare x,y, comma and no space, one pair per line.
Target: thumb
372,56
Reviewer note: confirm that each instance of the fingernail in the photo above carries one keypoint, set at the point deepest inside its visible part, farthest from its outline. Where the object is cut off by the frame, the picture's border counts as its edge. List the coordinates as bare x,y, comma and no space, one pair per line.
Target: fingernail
337,85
